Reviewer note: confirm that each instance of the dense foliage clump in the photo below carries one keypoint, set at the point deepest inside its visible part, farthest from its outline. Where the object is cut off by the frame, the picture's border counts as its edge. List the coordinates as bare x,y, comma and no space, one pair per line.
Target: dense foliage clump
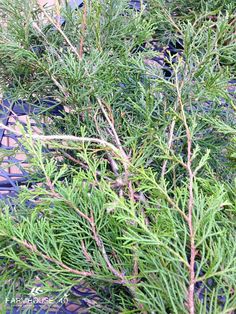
132,188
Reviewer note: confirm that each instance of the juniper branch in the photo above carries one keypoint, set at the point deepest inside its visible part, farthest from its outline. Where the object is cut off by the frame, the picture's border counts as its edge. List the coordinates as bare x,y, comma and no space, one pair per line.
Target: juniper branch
34,249
191,305
50,19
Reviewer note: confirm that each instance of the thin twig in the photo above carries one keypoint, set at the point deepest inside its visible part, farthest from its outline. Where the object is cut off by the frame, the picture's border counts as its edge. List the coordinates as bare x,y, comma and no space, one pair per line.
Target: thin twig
86,217
34,249
111,124
48,138
99,242
84,166
83,28
86,254
122,151
191,305
77,161
170,142
113,164
96,238
50,19
130,284
129,182
171,136
55,81
101,246
173,204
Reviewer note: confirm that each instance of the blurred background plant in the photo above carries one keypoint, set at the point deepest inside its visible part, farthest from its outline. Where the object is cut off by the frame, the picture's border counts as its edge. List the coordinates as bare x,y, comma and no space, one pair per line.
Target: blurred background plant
134,186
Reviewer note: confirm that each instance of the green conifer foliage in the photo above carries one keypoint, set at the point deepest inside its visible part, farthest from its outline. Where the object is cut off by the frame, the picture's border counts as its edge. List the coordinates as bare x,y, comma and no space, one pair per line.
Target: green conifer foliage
134,188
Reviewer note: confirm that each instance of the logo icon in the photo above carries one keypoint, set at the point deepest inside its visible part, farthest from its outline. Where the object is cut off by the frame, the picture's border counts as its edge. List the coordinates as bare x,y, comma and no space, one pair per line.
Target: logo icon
36,291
